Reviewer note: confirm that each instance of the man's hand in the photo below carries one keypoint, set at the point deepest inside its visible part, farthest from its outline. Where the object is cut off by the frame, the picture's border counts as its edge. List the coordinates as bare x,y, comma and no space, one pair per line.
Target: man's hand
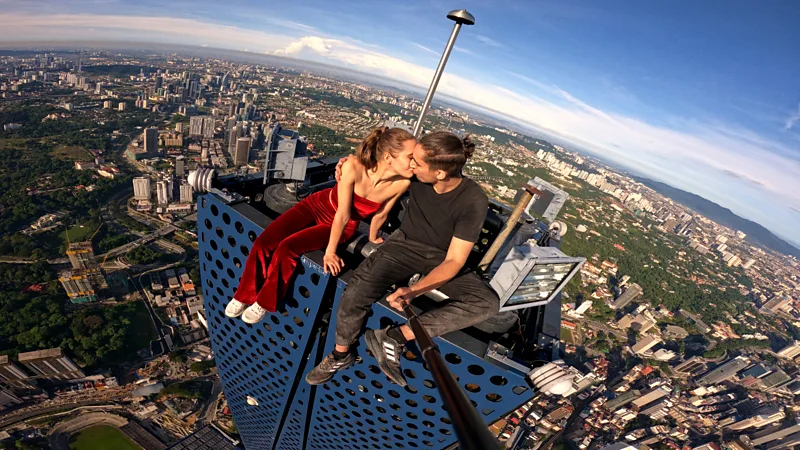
377,241
339,168
400,298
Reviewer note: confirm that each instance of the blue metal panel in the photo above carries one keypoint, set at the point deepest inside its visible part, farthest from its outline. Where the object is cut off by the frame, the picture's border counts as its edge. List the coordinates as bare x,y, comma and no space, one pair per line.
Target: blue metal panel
263,360
294,429
361,408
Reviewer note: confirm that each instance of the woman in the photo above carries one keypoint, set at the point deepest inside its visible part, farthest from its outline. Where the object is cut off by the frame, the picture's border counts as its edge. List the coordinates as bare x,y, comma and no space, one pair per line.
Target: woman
370,185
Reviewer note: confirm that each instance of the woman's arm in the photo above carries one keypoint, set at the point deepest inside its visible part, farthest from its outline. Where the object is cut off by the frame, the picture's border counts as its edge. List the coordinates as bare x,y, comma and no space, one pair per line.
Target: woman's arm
342,217
380,217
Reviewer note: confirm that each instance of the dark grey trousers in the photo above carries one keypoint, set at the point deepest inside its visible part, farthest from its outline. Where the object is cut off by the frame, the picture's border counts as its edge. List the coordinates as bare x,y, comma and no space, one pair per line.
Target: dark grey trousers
471,299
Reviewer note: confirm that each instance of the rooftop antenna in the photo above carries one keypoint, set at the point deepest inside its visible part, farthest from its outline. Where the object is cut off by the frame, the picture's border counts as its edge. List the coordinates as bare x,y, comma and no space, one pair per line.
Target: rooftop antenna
460,17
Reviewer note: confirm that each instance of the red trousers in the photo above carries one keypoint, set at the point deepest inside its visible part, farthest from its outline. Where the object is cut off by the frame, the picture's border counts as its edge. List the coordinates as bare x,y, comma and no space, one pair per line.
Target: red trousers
270,265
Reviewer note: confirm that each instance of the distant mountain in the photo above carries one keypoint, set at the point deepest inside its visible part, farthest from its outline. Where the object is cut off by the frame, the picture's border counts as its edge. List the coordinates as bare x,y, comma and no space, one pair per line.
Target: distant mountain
756,234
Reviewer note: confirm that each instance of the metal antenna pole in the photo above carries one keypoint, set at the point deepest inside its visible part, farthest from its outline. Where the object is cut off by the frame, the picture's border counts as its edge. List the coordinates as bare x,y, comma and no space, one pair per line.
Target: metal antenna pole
460,17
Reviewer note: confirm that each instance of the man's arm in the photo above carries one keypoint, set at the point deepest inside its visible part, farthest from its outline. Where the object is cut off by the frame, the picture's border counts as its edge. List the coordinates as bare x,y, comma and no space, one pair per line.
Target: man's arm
457,254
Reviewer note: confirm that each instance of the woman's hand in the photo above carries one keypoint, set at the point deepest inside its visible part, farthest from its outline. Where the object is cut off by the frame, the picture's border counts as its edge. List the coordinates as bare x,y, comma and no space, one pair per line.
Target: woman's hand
332,263
377,241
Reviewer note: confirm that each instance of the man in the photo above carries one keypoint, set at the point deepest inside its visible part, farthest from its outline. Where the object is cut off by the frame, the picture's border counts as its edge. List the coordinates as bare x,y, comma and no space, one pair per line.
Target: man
442,222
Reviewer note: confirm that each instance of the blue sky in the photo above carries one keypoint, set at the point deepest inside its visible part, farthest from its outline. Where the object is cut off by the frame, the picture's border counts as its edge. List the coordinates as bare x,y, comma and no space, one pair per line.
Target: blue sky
702,95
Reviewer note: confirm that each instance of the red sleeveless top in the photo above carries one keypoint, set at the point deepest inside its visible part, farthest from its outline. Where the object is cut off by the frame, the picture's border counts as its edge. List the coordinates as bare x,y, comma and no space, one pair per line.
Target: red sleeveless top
361,209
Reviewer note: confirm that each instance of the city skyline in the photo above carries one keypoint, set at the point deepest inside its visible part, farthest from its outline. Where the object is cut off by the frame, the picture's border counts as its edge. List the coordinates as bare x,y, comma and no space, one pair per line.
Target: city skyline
704,109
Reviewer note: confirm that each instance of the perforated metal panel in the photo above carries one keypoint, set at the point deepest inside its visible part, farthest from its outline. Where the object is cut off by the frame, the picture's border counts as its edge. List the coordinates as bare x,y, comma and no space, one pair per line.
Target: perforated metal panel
263,360
360,407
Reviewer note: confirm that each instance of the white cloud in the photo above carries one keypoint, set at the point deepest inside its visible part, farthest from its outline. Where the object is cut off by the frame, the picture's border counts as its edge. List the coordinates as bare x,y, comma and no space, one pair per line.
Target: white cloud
793,119
489,41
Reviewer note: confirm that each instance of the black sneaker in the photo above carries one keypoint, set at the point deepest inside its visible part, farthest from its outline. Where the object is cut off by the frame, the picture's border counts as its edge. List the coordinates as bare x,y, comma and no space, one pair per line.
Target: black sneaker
328,368
387,352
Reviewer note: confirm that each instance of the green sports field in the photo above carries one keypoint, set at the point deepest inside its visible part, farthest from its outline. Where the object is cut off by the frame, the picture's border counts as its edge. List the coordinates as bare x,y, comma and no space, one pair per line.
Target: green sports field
101,437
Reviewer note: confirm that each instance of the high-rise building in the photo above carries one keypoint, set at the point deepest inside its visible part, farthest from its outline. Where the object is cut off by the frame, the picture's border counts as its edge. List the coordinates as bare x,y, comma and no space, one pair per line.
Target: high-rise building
11,374
725,371
122,106
159,82
151,140
186,193
201,126
242,155
236,132
108,104
749,263
645,344
179,166
179,127
162,192
141,188
791,351
51,364
630,294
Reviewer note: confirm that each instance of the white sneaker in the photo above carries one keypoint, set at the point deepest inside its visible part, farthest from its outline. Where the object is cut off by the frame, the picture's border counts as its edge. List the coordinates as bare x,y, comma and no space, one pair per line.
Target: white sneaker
254,314
235,308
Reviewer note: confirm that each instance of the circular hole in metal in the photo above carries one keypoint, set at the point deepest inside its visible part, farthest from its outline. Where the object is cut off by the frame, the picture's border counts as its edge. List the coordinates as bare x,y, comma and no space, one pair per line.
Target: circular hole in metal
394,393
237,262
429,384
410,373
239,227
207,223
252,235
377,384
475,369
245,251
214,210
411,389
411,403
452,358
219,232
498,380
231,241
429,399
492,397
429,412
472,387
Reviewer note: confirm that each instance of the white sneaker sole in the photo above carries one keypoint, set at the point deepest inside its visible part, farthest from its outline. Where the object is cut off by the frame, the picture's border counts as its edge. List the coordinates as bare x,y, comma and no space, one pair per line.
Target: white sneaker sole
251,322
227,313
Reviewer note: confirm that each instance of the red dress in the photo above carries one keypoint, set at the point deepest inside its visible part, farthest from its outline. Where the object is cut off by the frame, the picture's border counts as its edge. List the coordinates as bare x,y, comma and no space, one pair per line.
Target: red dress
305,227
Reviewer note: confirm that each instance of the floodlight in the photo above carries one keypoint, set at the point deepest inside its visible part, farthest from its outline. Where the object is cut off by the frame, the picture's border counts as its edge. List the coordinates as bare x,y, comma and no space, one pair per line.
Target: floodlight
532,276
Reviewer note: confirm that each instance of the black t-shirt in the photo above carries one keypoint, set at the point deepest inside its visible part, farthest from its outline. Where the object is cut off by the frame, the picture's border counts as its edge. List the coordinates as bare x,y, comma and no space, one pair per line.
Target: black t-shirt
434,219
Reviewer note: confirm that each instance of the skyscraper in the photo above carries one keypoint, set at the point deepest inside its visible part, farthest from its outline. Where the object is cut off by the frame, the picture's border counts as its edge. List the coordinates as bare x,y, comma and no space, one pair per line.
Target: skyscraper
162,192
242,155
179,166
236,132
186,193
51,364
141,188
630,294
159,82
151,140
